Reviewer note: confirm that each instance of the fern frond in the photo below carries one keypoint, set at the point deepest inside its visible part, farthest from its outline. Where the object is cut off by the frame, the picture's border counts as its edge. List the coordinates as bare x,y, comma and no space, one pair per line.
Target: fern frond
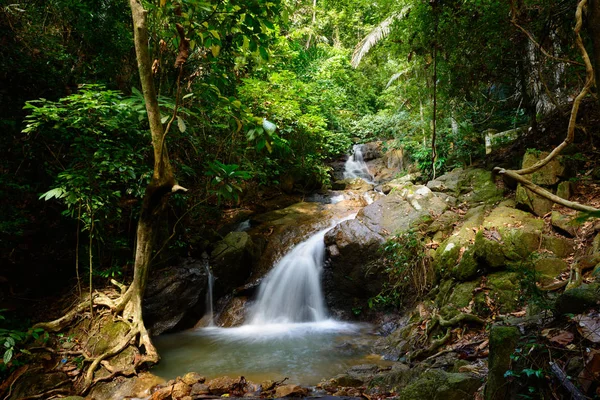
375,36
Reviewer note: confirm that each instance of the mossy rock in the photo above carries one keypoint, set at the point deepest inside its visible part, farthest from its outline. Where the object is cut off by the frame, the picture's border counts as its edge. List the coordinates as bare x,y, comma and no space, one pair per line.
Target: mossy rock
560,246
530,201
34,382
504,291
503,341
480,187
439,384
463,294
565,224
549,267
109,333
579,299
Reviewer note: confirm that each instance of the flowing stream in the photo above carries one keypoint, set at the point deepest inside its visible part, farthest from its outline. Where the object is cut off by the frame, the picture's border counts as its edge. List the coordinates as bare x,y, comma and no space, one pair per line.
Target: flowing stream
288,333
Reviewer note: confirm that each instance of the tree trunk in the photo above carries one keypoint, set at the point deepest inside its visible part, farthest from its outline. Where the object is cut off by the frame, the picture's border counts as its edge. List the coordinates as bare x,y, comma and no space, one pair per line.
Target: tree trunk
594,30
161,184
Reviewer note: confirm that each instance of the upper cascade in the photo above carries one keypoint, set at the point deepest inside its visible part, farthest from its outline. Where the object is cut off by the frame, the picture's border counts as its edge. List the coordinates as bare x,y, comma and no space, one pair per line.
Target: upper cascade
356,167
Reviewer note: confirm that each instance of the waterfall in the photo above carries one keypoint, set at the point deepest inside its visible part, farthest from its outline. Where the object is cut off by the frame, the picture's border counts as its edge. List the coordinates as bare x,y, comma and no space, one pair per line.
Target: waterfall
292,292
356,167
208,318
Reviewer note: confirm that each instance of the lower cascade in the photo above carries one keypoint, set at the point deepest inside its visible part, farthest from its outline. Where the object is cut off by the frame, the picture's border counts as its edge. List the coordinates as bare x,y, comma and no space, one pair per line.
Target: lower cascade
292,292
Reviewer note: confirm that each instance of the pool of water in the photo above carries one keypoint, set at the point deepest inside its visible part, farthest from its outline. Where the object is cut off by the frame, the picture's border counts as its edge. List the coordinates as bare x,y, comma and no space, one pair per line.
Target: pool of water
305,353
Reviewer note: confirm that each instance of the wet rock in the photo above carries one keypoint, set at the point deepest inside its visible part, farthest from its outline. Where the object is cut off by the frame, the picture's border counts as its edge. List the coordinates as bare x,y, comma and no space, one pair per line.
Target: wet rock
193,377
348,380
221,385
578,300
356,184
162,394
234,313
199,389
232,260
290,391
439,384
180,389
175,296
503,341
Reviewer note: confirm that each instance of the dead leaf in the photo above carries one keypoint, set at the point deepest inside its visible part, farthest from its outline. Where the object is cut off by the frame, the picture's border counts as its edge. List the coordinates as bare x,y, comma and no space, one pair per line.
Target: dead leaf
591,371
589,326
563,338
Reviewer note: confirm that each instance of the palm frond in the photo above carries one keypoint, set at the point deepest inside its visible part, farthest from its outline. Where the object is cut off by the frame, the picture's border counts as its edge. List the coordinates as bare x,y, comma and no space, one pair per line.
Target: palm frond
379,32
394,78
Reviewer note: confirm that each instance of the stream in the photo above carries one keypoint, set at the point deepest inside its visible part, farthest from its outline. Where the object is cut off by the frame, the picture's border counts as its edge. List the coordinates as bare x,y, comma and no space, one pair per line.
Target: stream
287,334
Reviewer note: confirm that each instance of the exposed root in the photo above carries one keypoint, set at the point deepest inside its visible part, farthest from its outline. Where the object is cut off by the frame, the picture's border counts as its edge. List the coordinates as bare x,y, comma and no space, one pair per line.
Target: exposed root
462,317
435,344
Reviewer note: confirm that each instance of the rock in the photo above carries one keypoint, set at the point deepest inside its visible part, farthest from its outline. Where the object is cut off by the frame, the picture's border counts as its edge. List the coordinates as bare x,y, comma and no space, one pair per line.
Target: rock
199,389
347,380
463,294
400,376
508,235
355,184
175,297
550,173
549,267
532,202
560,246
563,190
447,183
232,260
439,384
162,394
234,313
290,391
140,386
192,378
397,184
565,224
221,385
596,244
579,299
180,389
105,335
505,287
471,185
503,341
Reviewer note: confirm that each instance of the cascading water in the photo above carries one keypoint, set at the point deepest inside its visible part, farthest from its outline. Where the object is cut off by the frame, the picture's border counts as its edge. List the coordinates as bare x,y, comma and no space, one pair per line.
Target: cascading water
356,167
288,334
292,290
209,295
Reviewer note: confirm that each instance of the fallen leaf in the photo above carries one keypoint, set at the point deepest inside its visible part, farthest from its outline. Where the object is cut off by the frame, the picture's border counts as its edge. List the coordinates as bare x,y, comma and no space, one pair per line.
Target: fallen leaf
591,371
563,338
589,326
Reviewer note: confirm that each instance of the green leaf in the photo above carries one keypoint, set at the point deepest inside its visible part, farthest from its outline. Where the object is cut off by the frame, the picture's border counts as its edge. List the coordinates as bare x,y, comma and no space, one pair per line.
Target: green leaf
215,50
164,119
7,356
181,124
263,53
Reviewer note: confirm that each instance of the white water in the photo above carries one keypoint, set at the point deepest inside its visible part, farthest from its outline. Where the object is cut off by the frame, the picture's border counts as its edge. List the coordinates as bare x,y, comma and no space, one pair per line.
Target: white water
288,333
209,295
356,167
292,292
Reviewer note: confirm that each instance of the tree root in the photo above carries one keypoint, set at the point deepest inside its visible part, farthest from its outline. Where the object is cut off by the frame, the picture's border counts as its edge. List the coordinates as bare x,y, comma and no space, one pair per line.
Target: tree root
462,317
435,344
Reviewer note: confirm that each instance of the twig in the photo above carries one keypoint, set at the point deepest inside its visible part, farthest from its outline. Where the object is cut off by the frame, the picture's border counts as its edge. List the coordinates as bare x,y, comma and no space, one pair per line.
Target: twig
562,377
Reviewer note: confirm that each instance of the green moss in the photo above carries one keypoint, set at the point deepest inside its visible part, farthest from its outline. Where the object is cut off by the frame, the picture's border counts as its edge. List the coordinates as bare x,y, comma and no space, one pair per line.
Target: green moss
463,293
438,384
107,336
578,300
503,341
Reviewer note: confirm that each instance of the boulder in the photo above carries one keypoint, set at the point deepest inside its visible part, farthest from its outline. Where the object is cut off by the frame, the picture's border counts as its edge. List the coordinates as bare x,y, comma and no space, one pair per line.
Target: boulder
356,184
175,297
560,246
564,190
439,384
550,173
34,382
565,224
472,185
579,299
503,341
548,267
232,259
532,202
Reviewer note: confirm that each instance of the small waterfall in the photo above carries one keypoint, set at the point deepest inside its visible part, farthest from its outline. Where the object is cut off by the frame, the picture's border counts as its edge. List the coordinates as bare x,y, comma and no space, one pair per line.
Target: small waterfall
208,318
356,167
292,292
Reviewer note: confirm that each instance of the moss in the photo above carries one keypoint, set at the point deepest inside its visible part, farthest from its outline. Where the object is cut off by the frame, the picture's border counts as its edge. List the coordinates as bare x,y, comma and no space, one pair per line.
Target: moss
108,334
503,341
578,300
560,246
463,293
438,384
549,267
444,292
483,187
